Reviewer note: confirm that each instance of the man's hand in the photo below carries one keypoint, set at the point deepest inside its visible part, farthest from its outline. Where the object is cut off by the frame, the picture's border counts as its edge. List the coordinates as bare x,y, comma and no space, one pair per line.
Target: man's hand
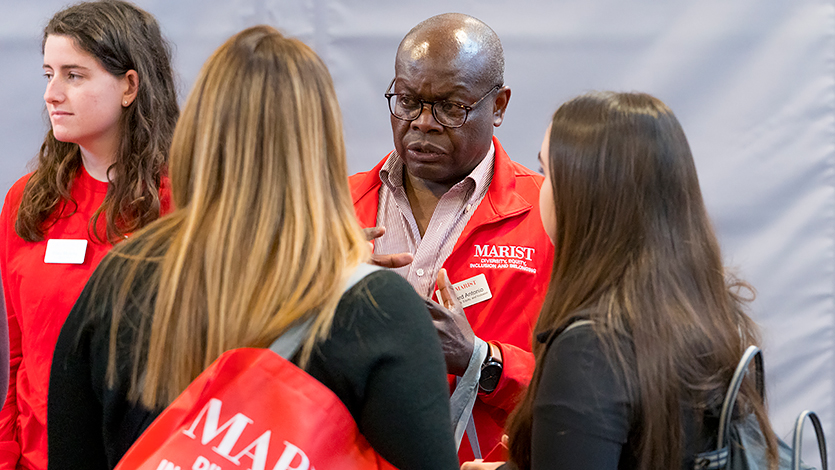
397,260
479,464
454,329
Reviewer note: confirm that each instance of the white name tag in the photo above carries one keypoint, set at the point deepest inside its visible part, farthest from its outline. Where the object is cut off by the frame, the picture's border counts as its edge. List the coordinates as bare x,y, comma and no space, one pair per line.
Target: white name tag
60,251
470,291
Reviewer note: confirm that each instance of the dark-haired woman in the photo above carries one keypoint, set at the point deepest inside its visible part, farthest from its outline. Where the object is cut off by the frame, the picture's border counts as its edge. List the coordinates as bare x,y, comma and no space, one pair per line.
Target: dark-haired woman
638,386
112,106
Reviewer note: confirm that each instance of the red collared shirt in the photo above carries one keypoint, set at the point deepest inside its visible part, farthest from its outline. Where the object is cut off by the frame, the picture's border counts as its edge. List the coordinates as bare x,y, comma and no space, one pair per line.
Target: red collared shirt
39,297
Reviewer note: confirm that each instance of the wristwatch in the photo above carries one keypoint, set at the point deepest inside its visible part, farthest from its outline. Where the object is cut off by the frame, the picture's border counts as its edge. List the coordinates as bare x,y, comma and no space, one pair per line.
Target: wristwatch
491,370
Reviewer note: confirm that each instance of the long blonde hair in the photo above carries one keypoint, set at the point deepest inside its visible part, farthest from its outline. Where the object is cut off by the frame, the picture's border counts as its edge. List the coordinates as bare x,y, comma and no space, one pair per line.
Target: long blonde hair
264,234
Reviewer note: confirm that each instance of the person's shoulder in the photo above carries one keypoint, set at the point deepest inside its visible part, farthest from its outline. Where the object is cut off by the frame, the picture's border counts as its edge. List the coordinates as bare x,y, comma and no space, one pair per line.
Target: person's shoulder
358,184
16,191
356,178
385,309
151,242
525,175
374,170
126,260
165,205
367,179
520,172
382,282
384,296
142,252
14,196
524,178
588,343
580,353
580,334
21,183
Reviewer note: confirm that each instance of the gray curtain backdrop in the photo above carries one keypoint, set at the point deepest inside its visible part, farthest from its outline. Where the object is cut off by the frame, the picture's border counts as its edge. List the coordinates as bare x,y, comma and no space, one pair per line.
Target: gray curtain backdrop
752,81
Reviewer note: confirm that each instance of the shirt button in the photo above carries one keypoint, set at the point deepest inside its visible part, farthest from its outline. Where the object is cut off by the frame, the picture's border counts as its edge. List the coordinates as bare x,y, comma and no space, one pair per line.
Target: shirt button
419,272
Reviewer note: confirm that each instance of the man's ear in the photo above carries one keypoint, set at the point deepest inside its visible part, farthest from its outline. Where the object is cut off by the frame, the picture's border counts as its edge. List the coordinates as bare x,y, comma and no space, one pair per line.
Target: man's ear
131,87
500,105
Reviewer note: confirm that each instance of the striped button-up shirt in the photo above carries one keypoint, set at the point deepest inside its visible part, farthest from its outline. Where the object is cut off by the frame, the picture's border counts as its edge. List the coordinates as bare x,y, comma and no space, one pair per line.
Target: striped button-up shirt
448,221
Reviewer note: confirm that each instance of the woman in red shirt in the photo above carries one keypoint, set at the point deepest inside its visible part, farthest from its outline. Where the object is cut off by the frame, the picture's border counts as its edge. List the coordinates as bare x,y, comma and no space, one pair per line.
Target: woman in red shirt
100,175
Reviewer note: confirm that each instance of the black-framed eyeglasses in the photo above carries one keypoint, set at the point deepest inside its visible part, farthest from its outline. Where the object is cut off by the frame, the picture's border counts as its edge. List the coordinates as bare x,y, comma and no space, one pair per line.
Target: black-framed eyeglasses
447,113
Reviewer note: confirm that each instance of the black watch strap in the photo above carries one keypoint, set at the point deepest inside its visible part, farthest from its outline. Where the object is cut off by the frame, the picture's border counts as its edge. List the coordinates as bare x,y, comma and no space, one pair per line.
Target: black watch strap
491,372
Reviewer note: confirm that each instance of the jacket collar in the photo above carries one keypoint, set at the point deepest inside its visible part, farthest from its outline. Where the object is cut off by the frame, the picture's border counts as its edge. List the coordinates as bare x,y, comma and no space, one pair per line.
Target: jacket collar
500,202
365,194
502,199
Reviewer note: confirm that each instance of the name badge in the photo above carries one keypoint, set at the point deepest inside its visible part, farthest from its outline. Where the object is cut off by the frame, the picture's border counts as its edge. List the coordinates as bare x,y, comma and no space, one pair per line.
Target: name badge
470,291
61,251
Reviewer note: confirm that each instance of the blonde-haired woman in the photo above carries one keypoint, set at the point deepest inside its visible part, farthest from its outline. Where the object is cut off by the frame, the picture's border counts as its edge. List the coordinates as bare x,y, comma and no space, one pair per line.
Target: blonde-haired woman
264,236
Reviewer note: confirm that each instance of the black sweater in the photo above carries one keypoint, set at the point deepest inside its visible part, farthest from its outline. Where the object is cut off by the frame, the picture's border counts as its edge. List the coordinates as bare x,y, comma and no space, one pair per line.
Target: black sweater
384,362
585,417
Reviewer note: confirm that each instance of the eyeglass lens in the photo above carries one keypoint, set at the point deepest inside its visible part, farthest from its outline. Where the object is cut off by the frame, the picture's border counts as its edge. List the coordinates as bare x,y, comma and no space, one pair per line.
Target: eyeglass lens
409,108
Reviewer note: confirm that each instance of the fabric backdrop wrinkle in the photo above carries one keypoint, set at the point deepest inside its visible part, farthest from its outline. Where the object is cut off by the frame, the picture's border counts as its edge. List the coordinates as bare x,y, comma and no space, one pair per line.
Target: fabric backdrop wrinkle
752,82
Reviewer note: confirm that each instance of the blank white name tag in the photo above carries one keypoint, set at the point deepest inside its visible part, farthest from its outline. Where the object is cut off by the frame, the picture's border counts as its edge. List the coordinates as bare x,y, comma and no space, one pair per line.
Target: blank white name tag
61,251
470,291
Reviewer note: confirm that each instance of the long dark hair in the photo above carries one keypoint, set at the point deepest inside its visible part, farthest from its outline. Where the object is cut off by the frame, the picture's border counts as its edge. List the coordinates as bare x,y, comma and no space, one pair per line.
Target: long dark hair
121,37
635,247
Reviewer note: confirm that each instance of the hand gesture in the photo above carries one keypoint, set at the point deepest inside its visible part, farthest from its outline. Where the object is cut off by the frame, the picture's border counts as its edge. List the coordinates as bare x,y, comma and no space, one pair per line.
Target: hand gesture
454,329
397,260
479,464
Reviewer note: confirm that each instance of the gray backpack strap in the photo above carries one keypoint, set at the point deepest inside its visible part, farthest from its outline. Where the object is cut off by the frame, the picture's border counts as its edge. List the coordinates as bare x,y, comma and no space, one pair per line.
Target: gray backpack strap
720,458
464,396
752,353
289,343
575,324
798,438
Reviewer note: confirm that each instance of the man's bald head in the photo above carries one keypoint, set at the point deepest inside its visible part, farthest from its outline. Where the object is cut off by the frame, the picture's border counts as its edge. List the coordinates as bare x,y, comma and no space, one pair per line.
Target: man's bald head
449,62
460,39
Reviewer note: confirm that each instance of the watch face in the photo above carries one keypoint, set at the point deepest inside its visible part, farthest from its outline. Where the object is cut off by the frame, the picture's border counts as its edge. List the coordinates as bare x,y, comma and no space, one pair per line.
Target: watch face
490,374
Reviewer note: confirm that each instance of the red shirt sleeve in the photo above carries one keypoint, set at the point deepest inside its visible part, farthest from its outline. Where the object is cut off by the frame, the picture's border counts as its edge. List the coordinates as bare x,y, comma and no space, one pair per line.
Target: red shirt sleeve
9,447
517,370
166,205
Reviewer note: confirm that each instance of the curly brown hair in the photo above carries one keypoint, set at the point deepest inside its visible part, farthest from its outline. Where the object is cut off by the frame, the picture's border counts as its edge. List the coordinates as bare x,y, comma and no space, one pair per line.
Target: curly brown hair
121,37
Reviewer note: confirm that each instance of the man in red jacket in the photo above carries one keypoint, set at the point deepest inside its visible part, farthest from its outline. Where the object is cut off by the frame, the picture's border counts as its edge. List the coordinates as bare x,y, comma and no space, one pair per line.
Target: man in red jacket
449,195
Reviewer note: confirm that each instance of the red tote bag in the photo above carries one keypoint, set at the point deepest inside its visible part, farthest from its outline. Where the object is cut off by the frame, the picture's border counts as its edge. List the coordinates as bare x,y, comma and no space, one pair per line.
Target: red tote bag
253,410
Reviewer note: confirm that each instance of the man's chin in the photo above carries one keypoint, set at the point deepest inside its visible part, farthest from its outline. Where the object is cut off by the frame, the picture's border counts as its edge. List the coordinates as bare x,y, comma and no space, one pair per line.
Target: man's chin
424,157
432,172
